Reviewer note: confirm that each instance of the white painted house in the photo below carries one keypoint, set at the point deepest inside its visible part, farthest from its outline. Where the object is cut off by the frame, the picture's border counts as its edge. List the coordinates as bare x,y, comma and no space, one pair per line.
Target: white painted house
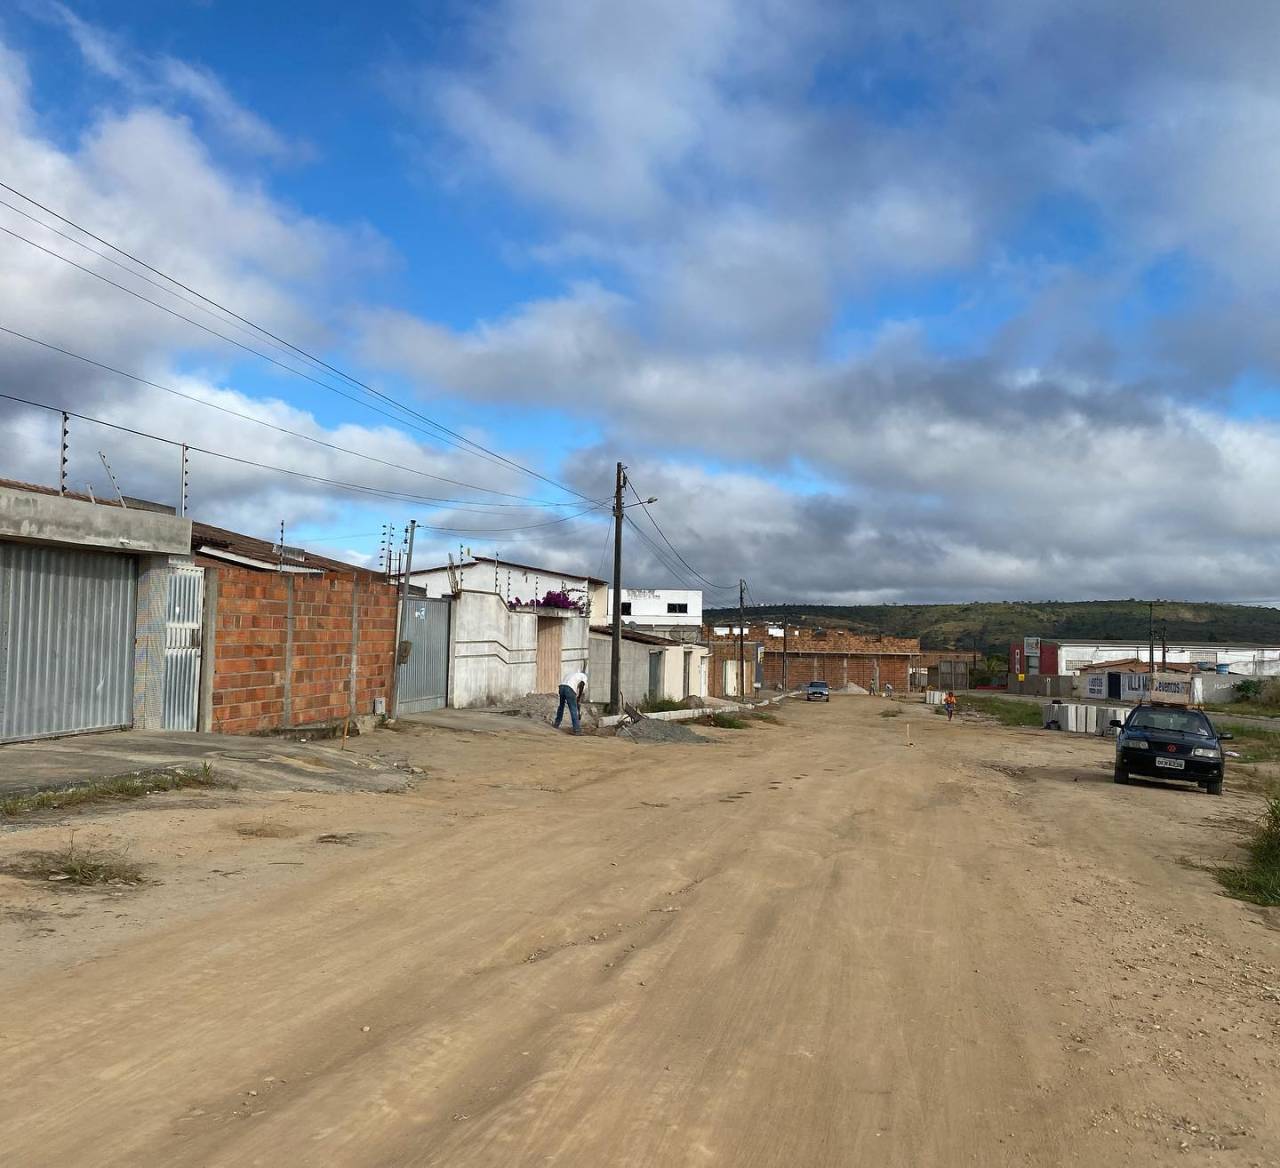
672,612
513,582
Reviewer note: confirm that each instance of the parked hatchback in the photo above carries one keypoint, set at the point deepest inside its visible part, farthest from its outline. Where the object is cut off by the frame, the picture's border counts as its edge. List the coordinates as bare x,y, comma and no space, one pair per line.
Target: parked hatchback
817,691
1161,742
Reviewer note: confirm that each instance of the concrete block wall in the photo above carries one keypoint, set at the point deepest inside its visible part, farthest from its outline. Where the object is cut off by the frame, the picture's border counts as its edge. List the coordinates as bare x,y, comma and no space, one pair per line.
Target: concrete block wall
287,652
494,651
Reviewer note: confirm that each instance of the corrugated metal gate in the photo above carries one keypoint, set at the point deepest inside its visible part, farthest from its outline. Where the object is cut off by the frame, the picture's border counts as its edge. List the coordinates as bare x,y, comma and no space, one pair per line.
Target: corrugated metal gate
422,677
184,620
66,640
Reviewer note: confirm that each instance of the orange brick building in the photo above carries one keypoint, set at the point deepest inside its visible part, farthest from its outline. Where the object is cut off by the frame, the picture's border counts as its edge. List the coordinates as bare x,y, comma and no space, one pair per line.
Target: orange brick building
836,656
297,642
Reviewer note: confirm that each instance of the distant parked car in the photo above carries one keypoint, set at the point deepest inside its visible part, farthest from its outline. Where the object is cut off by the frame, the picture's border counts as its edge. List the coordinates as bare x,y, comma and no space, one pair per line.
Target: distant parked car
817,691
1162,742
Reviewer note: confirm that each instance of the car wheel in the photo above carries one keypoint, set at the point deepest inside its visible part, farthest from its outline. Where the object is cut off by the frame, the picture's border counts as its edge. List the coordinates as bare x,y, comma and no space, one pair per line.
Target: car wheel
1121,776
1215,787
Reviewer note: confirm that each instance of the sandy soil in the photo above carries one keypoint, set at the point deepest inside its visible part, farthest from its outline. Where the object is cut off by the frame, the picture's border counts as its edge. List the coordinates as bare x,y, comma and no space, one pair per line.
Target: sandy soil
796,945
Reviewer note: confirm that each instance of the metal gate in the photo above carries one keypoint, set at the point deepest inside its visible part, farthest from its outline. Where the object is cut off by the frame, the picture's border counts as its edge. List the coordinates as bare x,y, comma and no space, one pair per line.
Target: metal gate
422,677
66,641
183,625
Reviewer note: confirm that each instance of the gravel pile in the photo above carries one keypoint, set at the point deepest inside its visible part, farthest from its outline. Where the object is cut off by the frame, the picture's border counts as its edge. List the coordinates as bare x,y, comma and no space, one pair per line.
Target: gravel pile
542,708
653,730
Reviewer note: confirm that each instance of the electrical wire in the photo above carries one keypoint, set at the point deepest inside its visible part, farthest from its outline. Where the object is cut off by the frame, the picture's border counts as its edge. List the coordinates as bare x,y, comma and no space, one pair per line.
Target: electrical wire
447,434
661,556
698,575
525,500
402,496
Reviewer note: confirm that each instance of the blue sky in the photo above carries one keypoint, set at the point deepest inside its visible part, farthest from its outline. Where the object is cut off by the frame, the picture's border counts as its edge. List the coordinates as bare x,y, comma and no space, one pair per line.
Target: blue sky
884,301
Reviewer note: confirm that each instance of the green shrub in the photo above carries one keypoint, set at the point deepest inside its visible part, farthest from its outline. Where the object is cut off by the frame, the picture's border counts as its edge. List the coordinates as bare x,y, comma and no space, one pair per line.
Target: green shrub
1259,880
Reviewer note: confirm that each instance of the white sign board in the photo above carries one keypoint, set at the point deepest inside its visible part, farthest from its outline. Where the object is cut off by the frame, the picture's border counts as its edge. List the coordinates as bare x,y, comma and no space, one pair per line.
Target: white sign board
1176,689
1097,686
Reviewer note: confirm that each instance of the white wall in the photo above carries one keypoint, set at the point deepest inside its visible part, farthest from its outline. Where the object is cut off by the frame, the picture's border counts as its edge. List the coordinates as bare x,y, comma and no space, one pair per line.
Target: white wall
1264,662
649,606
512,582
495,650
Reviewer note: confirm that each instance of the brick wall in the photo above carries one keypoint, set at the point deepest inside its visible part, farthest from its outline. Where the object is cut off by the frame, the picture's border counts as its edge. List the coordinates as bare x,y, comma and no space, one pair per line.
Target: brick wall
283,648
836,669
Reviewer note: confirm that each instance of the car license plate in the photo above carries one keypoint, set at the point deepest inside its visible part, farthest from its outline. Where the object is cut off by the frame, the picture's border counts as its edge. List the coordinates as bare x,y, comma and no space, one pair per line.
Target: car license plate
1174,764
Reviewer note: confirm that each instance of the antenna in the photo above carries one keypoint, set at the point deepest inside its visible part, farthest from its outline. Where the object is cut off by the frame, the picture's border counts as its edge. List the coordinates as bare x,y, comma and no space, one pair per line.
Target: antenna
112,476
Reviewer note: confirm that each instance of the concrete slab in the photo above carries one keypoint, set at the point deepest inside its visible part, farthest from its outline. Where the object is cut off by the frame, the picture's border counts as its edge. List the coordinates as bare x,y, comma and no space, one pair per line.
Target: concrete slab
256,763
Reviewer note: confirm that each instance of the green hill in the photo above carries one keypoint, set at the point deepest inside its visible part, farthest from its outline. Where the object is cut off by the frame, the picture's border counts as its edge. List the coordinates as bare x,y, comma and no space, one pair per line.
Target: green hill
989,627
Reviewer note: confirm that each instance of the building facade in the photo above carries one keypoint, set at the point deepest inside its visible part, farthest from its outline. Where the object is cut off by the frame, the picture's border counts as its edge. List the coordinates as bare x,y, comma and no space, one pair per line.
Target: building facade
524,585
668,612
792,655
1038,657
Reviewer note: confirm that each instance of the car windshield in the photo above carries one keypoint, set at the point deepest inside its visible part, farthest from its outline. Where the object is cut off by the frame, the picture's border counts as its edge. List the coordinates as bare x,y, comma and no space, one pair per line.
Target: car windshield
817,685
1182,721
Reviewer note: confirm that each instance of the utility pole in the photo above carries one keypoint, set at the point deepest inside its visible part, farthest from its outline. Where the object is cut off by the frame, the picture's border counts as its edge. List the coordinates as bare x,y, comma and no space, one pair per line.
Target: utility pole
742,640
182,497
615,658
1151,647
784,655
404,597
1164,647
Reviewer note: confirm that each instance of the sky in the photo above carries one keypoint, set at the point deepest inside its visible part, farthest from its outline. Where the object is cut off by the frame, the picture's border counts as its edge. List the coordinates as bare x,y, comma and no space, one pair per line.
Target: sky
882,301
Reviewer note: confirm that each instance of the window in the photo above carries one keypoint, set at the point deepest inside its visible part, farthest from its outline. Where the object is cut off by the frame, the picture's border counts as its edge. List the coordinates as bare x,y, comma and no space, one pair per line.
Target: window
677,608
624,608
1184,721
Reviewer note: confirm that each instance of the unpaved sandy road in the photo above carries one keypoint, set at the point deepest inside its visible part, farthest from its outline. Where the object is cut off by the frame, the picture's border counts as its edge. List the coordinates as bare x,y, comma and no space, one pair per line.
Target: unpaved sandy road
800,945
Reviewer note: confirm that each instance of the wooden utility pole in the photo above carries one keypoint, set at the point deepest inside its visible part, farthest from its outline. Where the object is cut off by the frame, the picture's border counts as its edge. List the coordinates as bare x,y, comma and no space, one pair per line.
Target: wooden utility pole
615,657
784,656
742,644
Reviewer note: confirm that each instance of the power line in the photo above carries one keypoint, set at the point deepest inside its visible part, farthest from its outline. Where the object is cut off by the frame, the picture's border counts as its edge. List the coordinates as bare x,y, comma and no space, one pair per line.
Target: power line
667,563
402,496
669,544
452,436
525,500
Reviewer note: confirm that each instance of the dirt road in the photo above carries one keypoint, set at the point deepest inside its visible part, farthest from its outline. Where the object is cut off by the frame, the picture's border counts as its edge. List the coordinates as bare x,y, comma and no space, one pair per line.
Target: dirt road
805,944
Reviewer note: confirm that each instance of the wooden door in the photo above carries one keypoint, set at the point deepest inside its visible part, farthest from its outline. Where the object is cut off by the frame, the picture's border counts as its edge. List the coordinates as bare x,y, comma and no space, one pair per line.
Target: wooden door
550,642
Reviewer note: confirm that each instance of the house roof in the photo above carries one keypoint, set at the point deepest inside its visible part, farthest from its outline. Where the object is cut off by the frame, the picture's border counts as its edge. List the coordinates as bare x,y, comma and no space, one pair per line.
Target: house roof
629,634
238,548
511,564
246,550
1137,665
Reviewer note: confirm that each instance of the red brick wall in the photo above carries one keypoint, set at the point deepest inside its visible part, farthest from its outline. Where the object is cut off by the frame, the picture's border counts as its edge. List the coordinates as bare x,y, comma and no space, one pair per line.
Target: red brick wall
836,669
253,636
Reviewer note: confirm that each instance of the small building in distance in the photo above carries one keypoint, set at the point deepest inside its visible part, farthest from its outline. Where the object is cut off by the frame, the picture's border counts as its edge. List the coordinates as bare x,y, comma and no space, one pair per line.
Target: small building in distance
669,612
1053,668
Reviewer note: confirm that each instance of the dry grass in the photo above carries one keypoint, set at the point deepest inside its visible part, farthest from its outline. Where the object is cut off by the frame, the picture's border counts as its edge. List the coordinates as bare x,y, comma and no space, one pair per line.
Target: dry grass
894,712
1259,880
80,866
108,790
725,722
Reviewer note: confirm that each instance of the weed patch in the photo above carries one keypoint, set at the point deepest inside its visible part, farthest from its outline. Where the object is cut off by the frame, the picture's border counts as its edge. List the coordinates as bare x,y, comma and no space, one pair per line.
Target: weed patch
659,705
891,713
766,716
1259,880
80,866
1252,743
107,790
725,722
1004,710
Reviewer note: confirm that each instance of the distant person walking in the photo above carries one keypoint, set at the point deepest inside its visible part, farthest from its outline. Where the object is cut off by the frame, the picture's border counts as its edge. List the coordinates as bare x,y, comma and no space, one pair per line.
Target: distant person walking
572,690
949,704
888,689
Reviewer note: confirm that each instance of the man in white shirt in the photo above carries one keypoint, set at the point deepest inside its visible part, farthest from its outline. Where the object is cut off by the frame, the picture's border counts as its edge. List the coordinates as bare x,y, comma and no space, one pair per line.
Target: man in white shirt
572,690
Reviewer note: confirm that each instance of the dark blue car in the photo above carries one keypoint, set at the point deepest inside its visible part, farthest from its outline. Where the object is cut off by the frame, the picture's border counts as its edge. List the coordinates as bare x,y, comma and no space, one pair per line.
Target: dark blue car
1164,742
